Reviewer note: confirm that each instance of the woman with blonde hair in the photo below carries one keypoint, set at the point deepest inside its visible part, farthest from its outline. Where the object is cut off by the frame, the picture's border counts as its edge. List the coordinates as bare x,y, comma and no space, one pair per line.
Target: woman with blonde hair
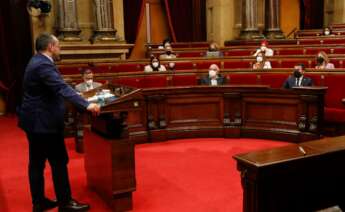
322,61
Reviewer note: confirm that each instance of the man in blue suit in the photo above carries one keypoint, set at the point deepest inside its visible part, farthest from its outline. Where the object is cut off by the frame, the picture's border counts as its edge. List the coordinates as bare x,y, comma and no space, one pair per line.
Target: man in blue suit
297,79
41,116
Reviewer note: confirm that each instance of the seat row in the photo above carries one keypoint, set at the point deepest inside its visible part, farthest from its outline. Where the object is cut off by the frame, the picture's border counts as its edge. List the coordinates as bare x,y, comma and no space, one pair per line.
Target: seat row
334,80
196,64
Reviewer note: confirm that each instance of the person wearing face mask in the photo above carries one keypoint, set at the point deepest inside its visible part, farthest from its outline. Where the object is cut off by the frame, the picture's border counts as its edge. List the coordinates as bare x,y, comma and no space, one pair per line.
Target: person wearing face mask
168,53
213,78
88,83
264,49
171,66
327,31
297,79
261,62
154,65
322,61
213,51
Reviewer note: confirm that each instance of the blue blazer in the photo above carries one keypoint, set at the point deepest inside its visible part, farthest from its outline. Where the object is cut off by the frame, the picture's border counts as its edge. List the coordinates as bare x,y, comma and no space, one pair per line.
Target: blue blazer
43,104
291,82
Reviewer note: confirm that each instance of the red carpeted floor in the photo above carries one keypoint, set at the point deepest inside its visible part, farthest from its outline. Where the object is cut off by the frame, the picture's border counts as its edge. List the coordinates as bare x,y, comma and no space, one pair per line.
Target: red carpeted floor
183,175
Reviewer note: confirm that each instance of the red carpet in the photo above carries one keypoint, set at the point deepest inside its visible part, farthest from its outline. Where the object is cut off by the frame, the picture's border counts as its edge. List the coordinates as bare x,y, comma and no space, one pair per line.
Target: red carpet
184,175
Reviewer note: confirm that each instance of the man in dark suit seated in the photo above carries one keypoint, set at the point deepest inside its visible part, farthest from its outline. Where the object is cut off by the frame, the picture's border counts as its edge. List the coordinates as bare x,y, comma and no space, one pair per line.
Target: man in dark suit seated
213,78
297,79
41,116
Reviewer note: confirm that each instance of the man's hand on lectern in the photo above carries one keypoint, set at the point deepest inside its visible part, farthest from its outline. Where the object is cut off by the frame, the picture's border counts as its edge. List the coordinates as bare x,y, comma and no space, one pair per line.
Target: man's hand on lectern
94,108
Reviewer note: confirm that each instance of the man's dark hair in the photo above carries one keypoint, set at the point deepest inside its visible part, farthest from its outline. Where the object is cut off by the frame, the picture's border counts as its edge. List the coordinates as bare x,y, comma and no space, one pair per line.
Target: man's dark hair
302,65
43,40
86,71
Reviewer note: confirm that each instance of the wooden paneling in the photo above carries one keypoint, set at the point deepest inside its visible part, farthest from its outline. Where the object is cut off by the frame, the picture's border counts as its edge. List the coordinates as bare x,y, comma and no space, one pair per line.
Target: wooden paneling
160,114
304,177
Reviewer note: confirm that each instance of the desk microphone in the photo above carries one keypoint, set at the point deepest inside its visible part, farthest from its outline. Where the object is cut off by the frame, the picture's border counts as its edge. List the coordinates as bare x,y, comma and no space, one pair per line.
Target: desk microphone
302,150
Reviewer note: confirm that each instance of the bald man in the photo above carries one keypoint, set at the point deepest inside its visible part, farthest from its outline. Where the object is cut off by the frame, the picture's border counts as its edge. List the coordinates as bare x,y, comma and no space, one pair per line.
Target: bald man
213,78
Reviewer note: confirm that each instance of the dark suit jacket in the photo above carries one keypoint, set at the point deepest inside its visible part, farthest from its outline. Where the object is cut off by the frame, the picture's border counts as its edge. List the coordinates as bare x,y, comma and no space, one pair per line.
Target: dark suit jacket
207,80
43,105
291,82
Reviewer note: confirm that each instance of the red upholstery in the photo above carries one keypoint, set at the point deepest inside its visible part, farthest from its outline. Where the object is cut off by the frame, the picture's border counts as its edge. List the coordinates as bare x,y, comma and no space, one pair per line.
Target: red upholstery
339,51
315,51
242,79
238,52
69,70
334,41
132,82
275,63
290,63
336,91
309,41
191,54
184,80
275,80
237,64
206,64
290,52
153,82
126,67
101,69
334,115
184,65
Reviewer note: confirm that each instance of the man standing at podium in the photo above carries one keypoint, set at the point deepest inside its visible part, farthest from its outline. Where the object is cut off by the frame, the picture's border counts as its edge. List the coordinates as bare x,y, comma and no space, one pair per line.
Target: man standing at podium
41,116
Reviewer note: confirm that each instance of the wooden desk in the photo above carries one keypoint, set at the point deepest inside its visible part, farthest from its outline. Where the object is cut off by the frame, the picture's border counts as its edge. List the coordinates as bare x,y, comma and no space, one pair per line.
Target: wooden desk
149,115
294,179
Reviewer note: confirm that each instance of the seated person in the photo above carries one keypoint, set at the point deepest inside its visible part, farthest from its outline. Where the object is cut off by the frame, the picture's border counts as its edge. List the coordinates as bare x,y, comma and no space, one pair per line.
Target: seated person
213,77
171,66
213,51
155,65
165,42
168,53
88,83
327,31
297,79
261,62
322,61
263,48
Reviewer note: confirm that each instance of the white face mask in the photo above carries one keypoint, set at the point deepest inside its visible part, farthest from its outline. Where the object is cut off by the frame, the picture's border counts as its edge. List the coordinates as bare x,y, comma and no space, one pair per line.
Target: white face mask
212,73
89,82
155,64
259,59
327,32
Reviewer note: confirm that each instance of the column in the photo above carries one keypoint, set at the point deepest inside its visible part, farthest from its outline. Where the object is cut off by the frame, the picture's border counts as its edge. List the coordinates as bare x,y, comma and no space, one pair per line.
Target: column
272,20
250,28
104,23
68,28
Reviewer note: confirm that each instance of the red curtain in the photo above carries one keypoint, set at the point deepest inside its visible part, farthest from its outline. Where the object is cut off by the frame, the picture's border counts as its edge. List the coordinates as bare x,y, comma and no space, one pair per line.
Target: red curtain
15,49
133,13
187,19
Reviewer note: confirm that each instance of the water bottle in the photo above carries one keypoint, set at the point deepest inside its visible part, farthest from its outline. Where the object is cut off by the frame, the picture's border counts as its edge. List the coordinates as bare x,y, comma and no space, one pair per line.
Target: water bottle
101,100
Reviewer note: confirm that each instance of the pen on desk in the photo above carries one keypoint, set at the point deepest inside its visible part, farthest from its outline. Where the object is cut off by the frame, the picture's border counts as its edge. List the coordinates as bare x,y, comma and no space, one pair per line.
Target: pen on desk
302,150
